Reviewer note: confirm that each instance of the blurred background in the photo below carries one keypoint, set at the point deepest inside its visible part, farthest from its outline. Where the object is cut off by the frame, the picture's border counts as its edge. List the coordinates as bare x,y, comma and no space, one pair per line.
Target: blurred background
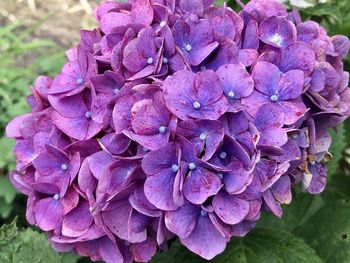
33,37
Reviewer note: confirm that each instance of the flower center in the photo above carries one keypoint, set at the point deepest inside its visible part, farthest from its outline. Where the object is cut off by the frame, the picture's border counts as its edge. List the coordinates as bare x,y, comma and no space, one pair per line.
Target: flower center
203,68
188,47
150,61
312,162
223,155
196,105
165,61
175,168
88,114
203,213
203,136
64,167
294,136
56,197
220,175
116,91
274,98
80,81
162,129
192,166
231,94
276,38
162,24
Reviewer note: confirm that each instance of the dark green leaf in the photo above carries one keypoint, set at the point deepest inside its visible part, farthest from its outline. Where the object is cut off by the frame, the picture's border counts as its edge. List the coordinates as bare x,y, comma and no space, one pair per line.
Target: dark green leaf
259,246
328,232
302,207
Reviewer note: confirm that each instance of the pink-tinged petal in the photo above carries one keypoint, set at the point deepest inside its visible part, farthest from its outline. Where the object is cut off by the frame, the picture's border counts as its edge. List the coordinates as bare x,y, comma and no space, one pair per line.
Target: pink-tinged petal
293,110
273,137
117,220
203,134
291,85
70,200
109,251
235,79
24,153
237,178
319,178
183,220
205,240
48,213
254,210
112,20
151,142
266,77
159,190
17,180
69,107
341,45
197,56
144,251
13,128
251,39
266,8
272,204
140,203
248,56
78,221
231,209
278,32
298,55
243,228
142,12
115,144
161,159
201,184
177,89
281,190
74,127
255,101
192,6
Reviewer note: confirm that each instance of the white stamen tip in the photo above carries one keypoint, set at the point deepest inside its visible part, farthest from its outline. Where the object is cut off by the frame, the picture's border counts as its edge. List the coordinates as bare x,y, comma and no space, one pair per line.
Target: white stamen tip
162,129
276,38
220,175
88,114
188,47
231,94
274,98
203,136
56,197
203,213
150,61
192,166
175,168
116,91
64,167
196,105
162,24
165,61
80,81
223,155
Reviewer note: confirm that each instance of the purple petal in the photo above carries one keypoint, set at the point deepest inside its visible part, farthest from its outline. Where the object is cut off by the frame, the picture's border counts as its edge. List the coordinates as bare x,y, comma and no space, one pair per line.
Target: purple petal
231,209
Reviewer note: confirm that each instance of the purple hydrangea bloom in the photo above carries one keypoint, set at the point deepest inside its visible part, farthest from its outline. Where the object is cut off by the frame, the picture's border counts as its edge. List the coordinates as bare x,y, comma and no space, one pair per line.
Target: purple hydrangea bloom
178,119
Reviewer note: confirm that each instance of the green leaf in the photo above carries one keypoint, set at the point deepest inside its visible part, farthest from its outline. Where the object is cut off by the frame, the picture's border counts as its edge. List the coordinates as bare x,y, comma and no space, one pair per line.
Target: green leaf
23,246
336,149
328,232
298,212
6,156
259,246
7,191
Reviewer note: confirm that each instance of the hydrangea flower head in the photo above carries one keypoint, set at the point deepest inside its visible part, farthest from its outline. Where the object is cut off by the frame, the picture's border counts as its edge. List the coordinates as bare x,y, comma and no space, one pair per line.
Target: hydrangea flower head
178,119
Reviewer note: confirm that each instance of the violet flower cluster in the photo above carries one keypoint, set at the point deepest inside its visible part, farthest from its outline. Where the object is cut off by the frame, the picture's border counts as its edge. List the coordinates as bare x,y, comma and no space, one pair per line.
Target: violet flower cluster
178,119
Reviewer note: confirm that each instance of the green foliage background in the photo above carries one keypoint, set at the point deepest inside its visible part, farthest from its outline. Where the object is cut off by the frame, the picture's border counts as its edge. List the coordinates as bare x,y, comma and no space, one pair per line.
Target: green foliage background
314,228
